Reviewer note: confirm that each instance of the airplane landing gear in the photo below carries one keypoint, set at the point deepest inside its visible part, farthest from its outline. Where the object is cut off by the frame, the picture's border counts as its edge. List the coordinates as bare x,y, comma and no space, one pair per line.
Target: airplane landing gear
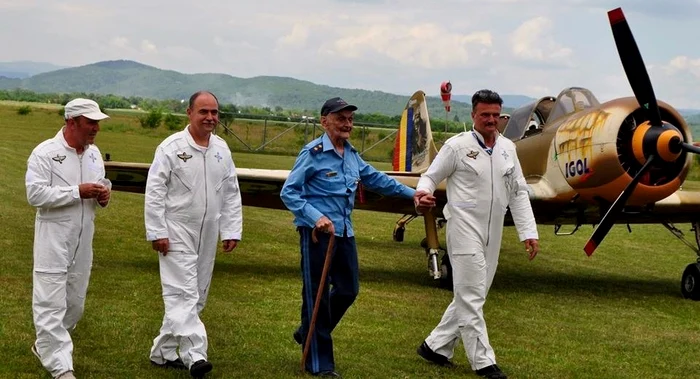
446,272
690,282
432,248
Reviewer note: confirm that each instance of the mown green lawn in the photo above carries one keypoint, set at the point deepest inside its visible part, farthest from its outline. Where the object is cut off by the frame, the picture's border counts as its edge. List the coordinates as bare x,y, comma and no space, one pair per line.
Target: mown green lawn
617,314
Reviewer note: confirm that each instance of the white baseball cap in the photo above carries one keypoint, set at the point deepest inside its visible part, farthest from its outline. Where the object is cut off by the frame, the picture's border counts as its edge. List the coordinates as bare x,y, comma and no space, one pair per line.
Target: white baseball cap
84,107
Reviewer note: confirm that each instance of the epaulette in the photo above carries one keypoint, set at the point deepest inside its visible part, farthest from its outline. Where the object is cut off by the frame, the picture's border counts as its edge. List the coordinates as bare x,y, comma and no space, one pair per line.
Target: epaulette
316,149
353,149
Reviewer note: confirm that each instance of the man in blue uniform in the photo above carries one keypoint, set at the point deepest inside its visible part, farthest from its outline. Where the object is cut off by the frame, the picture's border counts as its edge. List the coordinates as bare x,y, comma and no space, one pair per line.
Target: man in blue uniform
320,192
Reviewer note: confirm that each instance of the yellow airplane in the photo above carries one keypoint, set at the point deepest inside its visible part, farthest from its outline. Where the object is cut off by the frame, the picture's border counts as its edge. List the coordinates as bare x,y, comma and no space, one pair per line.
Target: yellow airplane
585,163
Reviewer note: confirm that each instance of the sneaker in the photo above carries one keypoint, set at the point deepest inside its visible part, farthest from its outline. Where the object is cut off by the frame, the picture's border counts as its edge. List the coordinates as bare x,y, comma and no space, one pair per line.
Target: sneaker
177,364
199,368
35,352
491,372
66,375
429,355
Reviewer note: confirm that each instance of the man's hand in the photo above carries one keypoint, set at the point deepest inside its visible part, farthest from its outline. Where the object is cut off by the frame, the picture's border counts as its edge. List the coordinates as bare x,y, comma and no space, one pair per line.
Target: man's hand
229,245
325,225
423,201
532,247
90,190
103,197
162,245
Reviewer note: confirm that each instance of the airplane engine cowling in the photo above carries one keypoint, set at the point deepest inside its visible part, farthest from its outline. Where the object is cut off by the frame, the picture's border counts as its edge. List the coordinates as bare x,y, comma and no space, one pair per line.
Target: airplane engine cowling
600,150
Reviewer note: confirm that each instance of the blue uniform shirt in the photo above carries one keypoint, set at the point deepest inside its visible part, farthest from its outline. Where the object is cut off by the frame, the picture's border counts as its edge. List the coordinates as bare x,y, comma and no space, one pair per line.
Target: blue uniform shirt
323,183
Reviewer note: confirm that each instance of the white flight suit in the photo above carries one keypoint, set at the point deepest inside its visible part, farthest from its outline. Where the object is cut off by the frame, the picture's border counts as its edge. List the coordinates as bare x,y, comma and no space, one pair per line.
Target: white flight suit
63,231
192,198
480,187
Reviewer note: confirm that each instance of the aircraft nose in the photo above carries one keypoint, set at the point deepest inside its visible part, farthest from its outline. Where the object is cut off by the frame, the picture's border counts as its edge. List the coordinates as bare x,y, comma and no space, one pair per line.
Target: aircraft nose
664,141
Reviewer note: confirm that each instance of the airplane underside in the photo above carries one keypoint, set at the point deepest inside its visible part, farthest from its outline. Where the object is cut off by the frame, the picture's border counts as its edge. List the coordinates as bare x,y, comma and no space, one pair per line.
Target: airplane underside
565,222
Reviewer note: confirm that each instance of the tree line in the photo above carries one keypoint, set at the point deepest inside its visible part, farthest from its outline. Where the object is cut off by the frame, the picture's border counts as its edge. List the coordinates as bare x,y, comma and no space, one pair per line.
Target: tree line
228,111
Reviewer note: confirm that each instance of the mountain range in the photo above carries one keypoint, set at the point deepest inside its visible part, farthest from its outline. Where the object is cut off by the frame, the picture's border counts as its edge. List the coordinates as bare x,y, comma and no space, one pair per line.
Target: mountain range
129,78
25,69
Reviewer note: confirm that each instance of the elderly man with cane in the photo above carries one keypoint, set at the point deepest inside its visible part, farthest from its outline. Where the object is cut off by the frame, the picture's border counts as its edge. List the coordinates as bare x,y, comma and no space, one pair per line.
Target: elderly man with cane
320,192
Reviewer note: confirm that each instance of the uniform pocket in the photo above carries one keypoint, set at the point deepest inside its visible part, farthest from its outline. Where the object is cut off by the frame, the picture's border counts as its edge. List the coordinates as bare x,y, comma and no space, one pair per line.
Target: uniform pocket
469,270
471,166
218,186
182,176
468,204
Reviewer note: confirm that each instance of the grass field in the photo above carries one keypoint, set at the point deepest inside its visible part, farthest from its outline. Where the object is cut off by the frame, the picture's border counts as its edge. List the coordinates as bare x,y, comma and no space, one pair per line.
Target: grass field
617,314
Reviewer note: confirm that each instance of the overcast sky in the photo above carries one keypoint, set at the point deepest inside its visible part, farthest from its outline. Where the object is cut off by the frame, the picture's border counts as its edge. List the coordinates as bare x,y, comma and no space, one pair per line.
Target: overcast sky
528,47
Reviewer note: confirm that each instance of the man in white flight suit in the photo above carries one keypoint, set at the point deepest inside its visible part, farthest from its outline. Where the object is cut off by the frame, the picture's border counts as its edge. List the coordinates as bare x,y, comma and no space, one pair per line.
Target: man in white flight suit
484,178
192,199
65,181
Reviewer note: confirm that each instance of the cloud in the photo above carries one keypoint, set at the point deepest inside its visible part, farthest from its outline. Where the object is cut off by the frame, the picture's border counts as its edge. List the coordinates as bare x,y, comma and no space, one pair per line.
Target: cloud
426,45
296,38
533,41
683,65
120,42
148,47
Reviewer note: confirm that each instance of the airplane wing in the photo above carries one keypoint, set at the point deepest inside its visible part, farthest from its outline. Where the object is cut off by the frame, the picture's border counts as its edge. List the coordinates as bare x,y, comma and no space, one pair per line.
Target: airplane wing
261,188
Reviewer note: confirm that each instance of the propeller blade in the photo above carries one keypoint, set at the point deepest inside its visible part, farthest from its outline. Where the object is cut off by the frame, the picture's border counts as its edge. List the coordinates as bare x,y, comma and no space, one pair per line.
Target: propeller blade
611,215
690,147
634,65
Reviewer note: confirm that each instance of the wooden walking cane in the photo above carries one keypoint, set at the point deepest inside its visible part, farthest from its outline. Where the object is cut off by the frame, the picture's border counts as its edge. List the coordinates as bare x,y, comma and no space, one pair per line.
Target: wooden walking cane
319,293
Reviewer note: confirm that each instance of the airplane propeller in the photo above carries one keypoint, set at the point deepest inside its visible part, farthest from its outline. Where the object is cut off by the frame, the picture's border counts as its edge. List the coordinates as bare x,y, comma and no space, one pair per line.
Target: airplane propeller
654,139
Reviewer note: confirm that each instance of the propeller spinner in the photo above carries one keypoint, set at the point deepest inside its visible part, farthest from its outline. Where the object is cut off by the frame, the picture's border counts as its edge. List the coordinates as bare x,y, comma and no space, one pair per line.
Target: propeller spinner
652,140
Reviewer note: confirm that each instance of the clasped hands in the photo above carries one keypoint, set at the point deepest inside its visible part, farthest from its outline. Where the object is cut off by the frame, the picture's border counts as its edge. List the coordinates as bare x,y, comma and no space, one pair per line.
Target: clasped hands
423,201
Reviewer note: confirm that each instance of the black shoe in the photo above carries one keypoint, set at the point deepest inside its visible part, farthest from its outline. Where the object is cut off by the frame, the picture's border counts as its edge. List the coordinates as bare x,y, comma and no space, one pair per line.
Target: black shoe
199,368
428,354
297,336
176,364
327,374
491,372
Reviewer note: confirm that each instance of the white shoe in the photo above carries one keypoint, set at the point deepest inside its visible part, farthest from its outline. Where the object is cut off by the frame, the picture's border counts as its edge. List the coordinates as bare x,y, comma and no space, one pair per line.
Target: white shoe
35,352
66,375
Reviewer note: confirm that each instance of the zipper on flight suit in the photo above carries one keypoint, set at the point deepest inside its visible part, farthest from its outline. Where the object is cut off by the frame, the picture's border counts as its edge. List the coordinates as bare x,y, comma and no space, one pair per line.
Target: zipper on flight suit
488,230
206,201
82,209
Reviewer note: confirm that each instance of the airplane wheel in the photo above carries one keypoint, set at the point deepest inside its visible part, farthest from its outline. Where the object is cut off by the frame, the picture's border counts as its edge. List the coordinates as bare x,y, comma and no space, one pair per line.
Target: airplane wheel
398,234
446,272
690,282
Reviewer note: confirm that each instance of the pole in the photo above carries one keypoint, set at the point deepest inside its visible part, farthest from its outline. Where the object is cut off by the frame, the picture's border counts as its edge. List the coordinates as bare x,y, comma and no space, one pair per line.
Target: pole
446,112
319,293
264,135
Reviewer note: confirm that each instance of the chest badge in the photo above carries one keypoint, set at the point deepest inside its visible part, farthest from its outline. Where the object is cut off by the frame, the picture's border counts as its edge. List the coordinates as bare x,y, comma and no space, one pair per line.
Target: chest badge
184,156
218,157
59,158
505,155
472,154
93,157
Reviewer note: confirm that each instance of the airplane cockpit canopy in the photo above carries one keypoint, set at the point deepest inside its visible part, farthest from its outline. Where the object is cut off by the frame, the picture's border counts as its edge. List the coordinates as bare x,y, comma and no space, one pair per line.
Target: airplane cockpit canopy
528,119
571,100
532,118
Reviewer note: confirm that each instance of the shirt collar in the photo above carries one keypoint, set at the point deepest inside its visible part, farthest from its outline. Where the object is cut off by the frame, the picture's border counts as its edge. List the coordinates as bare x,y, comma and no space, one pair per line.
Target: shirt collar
328,145
62,139
191,141
480,137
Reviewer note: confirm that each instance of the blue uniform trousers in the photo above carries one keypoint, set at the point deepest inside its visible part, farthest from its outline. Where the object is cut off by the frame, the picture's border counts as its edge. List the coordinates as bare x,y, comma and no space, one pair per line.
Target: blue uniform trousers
341,288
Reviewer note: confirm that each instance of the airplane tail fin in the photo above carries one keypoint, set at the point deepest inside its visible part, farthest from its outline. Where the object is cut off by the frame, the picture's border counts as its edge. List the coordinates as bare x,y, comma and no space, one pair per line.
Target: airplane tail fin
414,148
